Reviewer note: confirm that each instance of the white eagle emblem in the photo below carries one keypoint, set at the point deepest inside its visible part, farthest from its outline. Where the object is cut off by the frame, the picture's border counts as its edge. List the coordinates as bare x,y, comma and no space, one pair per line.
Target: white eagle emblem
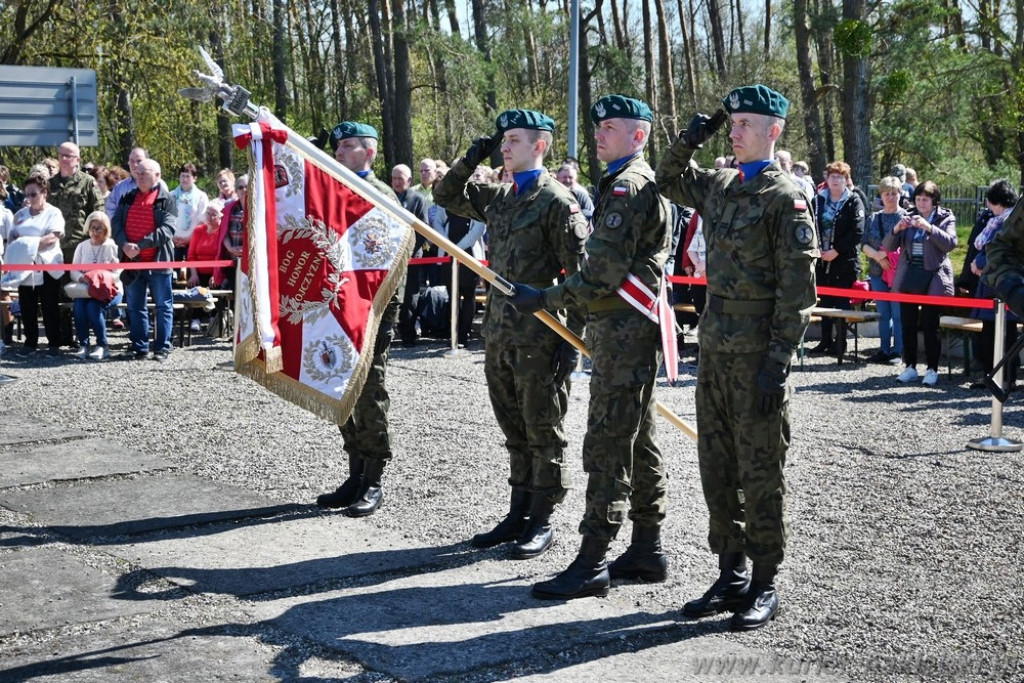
734,100
599,109
502,121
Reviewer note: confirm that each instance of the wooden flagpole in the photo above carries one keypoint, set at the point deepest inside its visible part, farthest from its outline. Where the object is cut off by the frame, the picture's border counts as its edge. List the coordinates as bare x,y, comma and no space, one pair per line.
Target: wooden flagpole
236,101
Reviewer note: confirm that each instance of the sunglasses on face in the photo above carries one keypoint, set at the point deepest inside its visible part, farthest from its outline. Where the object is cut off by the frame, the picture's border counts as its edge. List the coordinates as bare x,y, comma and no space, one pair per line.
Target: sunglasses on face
95,228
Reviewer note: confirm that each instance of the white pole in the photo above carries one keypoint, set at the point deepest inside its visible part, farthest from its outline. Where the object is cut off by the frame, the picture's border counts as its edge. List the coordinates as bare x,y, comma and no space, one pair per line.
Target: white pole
453,309
995,442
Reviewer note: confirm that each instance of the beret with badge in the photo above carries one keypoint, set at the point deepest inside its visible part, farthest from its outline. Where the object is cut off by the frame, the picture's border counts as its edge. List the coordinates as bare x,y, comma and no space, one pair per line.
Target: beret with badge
353,129
620,107
524,118
756,99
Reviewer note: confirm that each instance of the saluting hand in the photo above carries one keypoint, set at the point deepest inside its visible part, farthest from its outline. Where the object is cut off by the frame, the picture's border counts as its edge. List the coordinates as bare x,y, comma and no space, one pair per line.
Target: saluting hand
701,128
482,148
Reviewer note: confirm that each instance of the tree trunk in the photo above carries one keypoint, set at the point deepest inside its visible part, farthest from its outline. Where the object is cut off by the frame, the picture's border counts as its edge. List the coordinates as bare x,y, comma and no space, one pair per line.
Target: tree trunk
620,41
124,117
453,17
808,94
650,81
667,86
341,75
402,114
717,38
385,91
280,85
767,30
689,54
483,45
225,141
856,112
824,24
586,95
737,9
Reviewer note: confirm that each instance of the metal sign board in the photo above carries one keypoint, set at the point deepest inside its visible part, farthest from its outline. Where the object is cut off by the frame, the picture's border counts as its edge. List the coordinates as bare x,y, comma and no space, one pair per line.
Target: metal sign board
45,106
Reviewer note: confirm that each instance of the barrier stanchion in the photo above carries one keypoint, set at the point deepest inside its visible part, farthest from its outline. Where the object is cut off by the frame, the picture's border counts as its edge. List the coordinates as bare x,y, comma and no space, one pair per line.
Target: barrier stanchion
453,308
995,441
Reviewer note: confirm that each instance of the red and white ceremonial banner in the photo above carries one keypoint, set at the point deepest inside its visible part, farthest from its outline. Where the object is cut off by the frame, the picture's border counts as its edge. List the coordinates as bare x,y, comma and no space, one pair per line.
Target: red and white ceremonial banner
320,264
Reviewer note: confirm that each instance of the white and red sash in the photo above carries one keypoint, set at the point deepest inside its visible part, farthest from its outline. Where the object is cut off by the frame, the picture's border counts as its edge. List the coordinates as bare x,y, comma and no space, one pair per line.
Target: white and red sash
658,310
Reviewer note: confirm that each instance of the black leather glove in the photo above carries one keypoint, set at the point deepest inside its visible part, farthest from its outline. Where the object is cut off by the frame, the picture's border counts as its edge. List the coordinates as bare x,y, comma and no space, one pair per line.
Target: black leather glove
527,299
771,385
563,362
701,128
482,148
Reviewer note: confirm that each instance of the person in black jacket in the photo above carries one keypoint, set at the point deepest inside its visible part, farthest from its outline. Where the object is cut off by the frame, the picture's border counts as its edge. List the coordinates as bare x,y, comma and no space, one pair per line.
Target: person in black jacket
841,211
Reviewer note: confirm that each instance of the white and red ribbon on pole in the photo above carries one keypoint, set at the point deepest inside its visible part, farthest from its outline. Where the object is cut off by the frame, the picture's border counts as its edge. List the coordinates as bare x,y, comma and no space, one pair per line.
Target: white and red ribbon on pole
658,310
261,236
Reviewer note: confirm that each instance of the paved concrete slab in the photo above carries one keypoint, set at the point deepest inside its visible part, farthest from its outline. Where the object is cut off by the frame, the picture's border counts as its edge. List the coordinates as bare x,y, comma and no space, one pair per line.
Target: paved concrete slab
257,558
79,459
161,651
46,587
22,429
119,507
478,616
713,659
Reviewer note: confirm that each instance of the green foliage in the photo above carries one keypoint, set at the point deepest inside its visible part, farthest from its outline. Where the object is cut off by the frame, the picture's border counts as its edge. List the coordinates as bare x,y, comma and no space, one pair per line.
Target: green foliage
939,102
853,37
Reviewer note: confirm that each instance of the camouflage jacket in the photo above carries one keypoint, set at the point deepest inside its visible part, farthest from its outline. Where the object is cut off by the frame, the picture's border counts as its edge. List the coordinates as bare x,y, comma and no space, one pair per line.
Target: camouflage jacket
761,252
1004,269
531,237
76,196
632,234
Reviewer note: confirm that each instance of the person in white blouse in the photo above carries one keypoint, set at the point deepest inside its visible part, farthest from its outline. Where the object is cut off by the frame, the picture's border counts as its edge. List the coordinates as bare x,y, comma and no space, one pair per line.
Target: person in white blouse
35,237
90,312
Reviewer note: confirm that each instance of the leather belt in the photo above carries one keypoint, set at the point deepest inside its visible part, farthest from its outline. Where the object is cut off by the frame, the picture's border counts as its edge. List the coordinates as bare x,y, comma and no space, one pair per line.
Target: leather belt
736,307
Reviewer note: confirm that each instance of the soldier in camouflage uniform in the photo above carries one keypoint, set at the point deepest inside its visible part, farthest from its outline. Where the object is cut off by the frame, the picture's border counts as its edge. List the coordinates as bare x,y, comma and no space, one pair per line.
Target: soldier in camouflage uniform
761,251
74,192
632,236
536,229
366,434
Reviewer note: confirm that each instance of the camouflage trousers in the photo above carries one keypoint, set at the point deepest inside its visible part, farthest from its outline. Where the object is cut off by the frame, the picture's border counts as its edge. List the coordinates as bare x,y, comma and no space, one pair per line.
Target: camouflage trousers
620,455
530,407
741,454
367,433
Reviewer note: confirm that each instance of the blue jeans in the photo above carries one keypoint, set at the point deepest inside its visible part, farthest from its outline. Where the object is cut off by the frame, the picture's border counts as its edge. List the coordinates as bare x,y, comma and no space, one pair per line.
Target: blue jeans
158,284
90,313
888,318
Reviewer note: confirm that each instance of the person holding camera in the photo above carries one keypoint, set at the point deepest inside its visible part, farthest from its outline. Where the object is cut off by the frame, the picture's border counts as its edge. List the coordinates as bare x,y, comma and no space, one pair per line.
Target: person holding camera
925,236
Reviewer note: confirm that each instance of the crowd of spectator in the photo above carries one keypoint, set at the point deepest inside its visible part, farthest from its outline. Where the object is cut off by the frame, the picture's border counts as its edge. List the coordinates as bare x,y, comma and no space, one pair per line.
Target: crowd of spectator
904,234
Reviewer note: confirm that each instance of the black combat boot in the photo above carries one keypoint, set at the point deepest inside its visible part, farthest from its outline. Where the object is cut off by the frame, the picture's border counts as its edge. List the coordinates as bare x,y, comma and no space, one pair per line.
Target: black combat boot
510,528
586,576
643,558
370,496
345,494
727,593
538,536
762,603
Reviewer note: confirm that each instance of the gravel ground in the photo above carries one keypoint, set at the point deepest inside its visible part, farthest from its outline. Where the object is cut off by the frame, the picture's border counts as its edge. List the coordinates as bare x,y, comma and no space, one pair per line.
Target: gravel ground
904,556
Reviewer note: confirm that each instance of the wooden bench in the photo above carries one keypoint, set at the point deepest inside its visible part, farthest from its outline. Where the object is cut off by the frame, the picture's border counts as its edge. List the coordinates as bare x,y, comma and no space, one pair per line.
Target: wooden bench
846,319
963,328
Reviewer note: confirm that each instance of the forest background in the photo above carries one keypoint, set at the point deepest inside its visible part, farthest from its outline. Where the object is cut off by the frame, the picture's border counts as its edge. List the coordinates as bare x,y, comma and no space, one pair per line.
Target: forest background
934,84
